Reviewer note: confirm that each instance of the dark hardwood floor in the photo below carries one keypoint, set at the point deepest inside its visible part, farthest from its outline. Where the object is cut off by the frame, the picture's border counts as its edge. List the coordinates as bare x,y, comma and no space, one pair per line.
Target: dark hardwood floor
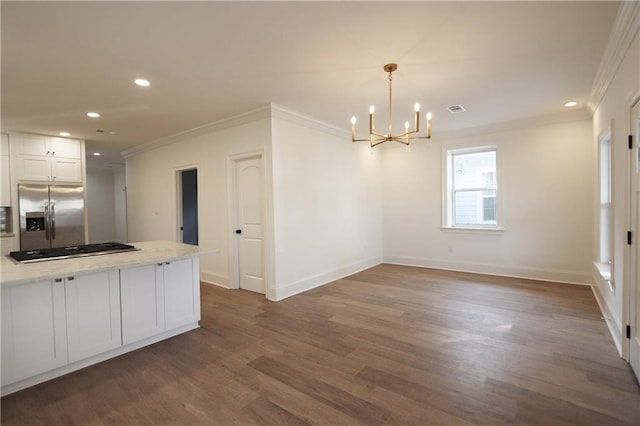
388,346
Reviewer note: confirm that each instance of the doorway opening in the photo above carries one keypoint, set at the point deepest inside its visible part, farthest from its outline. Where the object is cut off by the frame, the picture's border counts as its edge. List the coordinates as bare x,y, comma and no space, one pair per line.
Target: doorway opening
187,180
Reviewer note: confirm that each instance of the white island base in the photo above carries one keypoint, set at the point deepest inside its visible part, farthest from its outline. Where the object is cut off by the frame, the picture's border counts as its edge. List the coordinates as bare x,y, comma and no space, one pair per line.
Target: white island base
63,315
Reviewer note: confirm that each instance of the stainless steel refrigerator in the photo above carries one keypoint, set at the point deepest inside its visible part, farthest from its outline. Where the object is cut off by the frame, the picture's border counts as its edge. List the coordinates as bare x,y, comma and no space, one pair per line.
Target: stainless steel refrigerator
51,216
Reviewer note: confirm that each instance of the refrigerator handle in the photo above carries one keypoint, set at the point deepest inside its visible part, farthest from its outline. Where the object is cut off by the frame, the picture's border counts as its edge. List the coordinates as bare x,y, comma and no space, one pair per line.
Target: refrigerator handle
53,221
46,221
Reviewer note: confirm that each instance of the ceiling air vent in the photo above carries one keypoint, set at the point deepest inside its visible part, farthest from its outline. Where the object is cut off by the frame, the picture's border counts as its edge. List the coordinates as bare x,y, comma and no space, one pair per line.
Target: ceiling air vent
454,109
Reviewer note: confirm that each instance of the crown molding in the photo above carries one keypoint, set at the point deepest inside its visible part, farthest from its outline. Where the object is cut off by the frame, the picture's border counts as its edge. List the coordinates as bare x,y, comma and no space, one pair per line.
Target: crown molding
286,114
519,124
236,120
270,111
625,28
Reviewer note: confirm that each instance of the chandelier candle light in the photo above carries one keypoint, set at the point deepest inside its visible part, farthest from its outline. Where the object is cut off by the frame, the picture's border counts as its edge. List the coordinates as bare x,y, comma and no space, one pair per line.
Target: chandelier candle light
405,138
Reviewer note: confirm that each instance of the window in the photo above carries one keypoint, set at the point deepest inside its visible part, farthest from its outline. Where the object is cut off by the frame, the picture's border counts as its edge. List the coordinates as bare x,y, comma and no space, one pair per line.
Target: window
604,170
472,188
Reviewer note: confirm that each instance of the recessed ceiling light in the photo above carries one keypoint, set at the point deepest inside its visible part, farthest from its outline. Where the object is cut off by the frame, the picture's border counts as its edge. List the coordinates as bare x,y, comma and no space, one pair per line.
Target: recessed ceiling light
142,82
93,114
97,154
111,132
65,134
571,104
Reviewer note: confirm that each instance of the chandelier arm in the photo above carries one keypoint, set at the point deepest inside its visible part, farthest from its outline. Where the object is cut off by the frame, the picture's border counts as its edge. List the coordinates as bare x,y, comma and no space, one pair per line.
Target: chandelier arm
359,140
380,135
405,137
377,142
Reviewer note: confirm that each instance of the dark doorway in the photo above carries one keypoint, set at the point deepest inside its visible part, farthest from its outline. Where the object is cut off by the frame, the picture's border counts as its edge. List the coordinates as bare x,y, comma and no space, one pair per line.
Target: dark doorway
189,191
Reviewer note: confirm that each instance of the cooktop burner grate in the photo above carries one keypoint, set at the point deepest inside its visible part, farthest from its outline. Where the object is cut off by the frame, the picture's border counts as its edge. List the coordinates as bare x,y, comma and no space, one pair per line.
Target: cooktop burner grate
40,255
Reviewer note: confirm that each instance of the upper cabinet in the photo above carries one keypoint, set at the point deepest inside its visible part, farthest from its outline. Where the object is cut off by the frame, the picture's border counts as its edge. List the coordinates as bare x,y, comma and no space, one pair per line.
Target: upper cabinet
5,175
47,146
45,158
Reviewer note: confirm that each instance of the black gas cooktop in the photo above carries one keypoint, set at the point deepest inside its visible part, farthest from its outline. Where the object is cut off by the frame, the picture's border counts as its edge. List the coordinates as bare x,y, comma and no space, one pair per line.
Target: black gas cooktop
40,255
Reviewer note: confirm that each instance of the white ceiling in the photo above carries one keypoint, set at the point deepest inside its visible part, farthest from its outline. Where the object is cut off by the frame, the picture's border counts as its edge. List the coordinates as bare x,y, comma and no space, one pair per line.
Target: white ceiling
208,61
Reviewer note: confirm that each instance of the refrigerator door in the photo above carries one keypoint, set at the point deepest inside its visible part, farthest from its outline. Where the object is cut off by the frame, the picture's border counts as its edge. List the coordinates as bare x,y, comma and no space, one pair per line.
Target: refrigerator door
34,216
66,212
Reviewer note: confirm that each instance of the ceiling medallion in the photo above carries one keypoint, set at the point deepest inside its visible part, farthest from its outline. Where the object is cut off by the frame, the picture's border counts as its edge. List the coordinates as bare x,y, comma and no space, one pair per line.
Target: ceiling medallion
406,137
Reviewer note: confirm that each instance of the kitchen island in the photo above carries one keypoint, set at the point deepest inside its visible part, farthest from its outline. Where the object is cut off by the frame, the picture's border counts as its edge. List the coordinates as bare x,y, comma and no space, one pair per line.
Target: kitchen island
62,315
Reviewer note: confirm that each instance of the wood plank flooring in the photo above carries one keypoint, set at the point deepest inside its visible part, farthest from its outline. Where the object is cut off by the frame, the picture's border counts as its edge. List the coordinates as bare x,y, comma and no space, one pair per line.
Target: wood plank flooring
391,345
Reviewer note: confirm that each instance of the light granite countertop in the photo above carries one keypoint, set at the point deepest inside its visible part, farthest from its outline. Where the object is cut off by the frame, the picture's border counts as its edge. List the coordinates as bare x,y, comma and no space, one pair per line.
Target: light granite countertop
149,252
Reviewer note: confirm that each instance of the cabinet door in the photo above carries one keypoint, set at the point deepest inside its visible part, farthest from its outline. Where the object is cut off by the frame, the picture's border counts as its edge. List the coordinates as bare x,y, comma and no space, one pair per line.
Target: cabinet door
142,302
93,314
181,292
68,148
33,167
31,144
5,182
34,336
66,169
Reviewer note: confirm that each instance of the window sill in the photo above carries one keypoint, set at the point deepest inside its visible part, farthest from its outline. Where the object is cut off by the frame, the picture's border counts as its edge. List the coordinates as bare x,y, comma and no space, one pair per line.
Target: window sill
604,269
472,229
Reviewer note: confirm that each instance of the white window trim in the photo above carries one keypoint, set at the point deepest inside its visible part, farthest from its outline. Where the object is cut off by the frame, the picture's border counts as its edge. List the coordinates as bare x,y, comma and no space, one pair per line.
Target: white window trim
447,179
603,265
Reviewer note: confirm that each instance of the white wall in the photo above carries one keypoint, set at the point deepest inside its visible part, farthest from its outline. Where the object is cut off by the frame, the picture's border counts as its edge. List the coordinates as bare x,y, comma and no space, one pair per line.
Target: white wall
613,113
100,205
322,198
120,204
546,201
151,188
327,205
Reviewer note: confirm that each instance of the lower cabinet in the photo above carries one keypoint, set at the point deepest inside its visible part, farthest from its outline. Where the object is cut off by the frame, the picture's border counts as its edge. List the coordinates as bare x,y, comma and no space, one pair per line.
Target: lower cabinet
160,297
181,292
55,323
93,314
142,302
34,338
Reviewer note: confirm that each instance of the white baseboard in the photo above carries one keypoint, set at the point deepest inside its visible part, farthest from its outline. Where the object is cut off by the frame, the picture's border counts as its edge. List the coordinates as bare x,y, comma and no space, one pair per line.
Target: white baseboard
215,279
554,275
613,324
324,278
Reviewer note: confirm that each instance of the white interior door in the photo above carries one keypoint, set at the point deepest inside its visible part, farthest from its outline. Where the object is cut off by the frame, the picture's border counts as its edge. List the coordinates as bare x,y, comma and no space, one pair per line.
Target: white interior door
249,223
634,294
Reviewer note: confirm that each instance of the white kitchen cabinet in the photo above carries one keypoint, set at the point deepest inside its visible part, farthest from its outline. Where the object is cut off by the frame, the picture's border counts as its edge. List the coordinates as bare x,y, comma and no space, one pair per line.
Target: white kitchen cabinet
66,148
66,170
50,169
30,144
27,144
142,302
33,329
48,159
5,174
54,323
181,292
159,297
93,314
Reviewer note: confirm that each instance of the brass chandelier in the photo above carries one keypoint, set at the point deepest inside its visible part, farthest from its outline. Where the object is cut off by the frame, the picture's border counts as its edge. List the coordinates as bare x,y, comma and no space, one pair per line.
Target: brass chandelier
406,137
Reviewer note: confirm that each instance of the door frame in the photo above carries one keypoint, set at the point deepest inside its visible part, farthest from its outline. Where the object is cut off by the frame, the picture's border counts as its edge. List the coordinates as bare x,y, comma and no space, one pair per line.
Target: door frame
177,200
234,266
632,289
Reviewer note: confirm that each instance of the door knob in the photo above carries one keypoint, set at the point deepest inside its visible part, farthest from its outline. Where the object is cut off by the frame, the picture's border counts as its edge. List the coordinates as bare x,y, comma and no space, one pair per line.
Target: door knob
238,231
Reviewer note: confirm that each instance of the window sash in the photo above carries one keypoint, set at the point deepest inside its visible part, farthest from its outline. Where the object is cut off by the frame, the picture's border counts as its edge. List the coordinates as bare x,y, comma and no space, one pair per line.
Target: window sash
606,223
469,210
463,209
